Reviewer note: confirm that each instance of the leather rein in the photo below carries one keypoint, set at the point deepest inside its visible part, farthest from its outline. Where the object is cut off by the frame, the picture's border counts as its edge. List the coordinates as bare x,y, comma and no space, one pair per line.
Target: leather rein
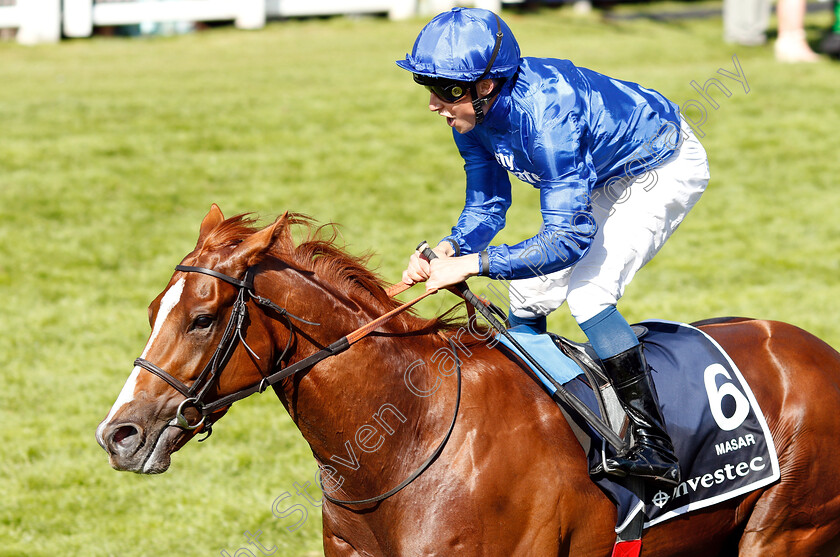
234,333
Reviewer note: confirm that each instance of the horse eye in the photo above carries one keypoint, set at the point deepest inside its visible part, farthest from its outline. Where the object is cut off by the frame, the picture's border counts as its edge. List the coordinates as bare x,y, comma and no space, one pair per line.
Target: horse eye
202,321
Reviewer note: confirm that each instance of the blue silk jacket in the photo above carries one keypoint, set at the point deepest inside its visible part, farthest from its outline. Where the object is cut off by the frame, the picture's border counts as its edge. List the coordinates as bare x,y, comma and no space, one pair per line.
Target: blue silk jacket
568,131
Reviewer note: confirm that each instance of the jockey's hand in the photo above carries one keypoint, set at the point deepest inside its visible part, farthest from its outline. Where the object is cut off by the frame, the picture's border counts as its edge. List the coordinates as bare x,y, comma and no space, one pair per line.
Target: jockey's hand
446,271
418,266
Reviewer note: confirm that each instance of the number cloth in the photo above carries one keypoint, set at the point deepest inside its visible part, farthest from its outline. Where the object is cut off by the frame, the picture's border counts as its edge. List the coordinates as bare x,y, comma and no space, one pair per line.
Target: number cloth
719,432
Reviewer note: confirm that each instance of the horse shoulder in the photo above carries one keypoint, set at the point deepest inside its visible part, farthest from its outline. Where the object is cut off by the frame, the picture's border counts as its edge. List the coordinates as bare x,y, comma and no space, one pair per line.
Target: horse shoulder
533,465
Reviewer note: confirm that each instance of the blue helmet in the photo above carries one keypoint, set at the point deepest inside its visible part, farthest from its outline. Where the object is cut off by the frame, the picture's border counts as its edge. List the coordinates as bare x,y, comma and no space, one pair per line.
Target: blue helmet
464,44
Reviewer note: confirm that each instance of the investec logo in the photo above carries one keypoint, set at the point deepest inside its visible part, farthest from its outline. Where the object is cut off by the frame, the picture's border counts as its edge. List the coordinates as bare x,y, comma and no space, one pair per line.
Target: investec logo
729,473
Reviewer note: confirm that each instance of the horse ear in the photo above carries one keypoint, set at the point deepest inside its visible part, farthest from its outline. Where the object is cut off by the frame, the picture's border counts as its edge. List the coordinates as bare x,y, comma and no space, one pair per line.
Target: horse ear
211,220
253,248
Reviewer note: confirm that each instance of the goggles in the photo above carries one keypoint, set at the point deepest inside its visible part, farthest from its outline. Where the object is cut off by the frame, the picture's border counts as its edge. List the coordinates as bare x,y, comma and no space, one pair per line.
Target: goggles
445,89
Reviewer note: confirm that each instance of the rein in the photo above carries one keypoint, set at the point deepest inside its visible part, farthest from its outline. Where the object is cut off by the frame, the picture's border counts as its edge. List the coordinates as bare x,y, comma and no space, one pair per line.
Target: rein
234,333
422,468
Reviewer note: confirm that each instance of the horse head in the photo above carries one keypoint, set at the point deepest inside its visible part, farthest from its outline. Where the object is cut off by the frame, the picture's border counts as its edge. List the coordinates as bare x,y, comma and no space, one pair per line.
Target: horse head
192,320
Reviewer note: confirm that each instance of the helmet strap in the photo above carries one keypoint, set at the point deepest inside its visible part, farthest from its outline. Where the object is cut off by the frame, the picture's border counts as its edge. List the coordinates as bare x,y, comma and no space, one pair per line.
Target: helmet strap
479,102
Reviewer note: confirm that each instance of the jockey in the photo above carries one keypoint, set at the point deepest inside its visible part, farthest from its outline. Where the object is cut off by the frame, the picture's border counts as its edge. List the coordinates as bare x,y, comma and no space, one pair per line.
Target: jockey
617,170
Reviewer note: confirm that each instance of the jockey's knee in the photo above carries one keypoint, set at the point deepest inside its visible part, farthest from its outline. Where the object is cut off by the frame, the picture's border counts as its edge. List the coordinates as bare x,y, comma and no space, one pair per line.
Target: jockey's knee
536,305
588,301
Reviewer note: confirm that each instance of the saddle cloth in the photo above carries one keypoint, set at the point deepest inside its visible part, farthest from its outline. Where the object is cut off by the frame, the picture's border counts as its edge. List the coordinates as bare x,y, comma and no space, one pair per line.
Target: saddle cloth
719,432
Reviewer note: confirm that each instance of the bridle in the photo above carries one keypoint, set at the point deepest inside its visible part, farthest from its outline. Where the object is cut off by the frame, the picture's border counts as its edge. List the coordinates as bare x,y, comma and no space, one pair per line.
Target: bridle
195,394
234,333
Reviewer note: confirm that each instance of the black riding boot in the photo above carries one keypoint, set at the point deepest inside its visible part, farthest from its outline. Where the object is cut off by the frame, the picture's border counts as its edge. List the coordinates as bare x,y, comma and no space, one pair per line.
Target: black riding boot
652,455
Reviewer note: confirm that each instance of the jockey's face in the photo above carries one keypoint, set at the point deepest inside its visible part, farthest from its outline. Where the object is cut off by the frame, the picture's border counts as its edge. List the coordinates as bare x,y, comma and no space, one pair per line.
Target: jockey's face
459,114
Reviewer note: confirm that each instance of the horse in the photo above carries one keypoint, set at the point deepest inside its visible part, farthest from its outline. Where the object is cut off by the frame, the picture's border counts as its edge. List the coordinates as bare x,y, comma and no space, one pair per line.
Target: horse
509,477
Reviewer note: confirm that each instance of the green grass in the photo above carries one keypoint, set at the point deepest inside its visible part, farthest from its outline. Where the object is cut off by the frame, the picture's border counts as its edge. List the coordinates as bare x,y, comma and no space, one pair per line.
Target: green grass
112,150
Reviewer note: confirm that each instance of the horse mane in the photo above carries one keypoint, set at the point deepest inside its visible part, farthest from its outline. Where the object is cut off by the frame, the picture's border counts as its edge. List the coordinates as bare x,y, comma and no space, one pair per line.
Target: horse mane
318,251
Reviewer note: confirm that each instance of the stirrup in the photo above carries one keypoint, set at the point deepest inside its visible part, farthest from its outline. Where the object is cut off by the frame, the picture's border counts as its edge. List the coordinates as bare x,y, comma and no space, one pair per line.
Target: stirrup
662,466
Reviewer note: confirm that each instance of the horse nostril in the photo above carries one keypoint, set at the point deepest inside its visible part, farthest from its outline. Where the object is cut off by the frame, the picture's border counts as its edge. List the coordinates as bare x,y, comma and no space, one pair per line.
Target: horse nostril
124,440
122,433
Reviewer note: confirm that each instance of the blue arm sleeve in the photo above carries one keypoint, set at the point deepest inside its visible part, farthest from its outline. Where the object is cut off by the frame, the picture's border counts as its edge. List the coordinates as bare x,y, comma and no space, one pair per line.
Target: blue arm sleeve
487,197
567,175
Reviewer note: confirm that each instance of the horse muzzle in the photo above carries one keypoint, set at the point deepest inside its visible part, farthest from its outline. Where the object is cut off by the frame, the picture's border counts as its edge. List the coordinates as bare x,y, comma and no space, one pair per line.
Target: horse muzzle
131,447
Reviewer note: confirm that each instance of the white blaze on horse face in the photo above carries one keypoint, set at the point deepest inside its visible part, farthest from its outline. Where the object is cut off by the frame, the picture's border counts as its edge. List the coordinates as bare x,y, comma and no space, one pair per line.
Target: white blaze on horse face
167,304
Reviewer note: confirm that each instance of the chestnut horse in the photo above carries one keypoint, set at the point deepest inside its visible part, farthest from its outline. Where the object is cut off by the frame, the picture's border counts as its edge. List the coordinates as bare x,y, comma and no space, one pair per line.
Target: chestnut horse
512,478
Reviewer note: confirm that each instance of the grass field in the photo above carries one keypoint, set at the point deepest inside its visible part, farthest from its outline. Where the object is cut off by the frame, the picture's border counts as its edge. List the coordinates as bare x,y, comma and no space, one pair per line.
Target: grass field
112,150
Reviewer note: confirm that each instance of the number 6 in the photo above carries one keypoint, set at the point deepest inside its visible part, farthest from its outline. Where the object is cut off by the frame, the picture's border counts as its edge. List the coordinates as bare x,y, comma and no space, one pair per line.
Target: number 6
716,396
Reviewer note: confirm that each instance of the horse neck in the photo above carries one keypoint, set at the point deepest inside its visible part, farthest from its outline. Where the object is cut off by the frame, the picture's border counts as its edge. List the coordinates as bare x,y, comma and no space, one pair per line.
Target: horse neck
347,404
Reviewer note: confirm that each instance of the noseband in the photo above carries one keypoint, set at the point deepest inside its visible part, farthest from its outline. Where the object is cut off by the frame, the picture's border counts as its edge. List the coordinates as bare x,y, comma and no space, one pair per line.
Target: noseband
195,394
